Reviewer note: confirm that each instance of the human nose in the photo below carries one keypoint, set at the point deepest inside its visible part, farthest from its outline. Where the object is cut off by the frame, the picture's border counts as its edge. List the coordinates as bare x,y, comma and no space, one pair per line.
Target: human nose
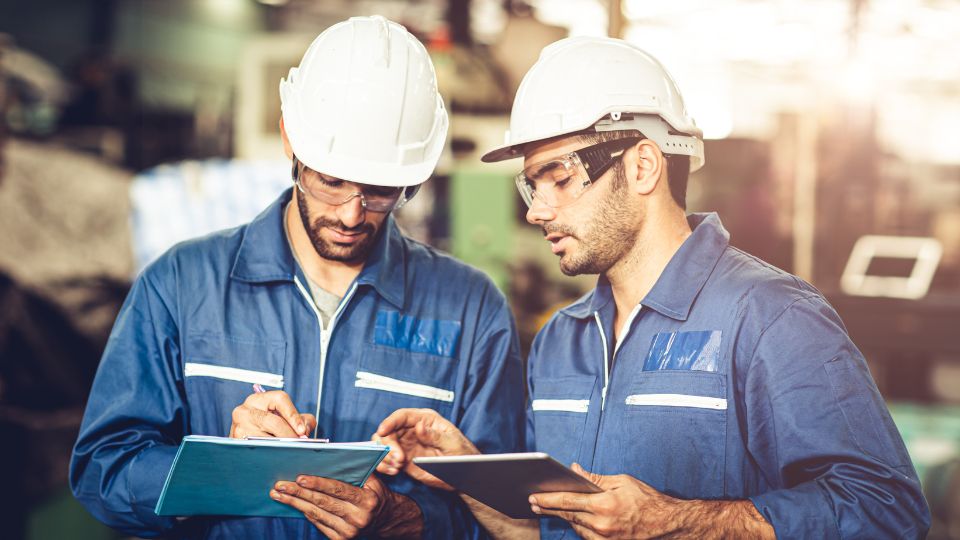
353,211
540,212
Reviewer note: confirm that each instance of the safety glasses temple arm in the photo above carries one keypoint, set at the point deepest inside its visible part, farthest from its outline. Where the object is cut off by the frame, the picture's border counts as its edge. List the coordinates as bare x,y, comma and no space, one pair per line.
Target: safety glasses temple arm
598,158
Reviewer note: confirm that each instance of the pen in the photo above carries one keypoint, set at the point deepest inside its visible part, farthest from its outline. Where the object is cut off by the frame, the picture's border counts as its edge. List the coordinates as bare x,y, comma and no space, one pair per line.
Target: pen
259,390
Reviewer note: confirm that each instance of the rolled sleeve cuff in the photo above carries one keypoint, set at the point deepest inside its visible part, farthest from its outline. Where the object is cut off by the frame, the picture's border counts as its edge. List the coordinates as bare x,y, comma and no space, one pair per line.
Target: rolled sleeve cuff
149,470
799,512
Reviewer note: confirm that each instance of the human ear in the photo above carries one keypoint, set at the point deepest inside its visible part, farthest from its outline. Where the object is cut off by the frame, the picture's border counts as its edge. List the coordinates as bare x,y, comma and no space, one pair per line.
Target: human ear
644,165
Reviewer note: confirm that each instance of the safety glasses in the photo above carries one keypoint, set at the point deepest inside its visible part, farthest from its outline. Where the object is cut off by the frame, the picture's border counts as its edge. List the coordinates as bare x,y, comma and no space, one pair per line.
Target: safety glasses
334,191
560,182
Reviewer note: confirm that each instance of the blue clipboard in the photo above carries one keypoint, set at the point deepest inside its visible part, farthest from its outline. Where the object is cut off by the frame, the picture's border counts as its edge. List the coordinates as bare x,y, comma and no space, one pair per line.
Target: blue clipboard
233,477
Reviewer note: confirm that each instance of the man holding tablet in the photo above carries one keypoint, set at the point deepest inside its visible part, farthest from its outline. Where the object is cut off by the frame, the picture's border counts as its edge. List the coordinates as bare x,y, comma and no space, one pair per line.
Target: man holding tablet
709,394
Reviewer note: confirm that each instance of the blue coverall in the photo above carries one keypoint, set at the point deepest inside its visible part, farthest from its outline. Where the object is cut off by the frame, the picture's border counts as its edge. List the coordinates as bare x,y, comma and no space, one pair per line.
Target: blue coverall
215,314
734,380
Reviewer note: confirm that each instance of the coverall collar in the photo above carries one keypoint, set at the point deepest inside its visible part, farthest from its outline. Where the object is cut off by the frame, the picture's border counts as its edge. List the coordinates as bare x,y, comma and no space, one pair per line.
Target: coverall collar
681,281
265,255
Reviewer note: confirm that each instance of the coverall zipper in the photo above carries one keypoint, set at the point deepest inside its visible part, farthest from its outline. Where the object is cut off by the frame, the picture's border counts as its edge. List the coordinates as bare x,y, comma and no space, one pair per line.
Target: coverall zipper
607,361
607,365
324,337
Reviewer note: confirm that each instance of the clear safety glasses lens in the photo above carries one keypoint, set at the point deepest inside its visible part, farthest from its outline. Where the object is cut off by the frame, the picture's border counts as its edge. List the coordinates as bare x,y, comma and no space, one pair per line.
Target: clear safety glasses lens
337,192
556,183
560,182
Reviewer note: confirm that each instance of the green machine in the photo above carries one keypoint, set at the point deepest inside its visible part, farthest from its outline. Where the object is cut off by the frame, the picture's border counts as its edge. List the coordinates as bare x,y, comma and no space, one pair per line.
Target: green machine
482,223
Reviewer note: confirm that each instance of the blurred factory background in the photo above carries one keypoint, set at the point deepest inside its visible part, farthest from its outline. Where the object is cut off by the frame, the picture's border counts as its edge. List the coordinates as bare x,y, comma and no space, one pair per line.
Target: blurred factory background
128,125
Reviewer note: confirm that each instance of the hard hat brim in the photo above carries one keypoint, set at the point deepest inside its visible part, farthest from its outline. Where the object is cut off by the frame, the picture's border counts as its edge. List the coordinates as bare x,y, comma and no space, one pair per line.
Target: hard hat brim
504,153
657,132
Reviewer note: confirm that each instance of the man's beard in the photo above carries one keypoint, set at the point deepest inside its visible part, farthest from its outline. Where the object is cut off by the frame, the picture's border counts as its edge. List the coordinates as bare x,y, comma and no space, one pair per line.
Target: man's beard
330,250
606,238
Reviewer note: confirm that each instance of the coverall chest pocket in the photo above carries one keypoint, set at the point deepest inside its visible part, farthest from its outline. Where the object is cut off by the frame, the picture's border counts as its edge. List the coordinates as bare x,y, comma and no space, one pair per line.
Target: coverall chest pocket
560,408
219,373
675,426
389,379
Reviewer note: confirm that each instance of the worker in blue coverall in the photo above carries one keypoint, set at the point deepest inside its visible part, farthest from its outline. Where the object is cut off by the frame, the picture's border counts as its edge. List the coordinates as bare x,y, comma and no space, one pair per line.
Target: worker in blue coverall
709,394
322,302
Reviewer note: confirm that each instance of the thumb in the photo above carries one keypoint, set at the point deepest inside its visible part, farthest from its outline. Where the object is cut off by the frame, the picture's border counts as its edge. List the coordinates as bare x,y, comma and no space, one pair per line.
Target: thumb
595,478
373,482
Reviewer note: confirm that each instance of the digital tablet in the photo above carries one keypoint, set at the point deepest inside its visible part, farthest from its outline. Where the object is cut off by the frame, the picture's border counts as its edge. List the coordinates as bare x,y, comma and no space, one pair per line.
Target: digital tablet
505,481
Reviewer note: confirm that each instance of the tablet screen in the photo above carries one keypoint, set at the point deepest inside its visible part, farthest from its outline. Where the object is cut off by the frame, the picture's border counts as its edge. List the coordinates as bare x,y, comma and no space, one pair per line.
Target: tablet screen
504,482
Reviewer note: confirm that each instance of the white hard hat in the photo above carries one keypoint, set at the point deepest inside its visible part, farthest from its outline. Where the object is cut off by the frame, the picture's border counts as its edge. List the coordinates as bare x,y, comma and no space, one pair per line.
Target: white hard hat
604,83
363,105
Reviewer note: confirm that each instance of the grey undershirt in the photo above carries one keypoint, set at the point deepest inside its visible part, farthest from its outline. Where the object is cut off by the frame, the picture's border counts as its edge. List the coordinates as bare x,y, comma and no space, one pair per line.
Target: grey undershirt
326,301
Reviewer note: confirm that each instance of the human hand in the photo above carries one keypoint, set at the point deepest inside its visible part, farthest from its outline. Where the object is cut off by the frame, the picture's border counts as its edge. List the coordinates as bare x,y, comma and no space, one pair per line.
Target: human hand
412,433
270,414
340,510
626,508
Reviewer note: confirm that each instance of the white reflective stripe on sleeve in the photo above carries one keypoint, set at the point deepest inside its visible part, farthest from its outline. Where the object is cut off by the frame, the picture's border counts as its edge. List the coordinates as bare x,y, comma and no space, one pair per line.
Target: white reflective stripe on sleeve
193,369
564,405
677,400
387,384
